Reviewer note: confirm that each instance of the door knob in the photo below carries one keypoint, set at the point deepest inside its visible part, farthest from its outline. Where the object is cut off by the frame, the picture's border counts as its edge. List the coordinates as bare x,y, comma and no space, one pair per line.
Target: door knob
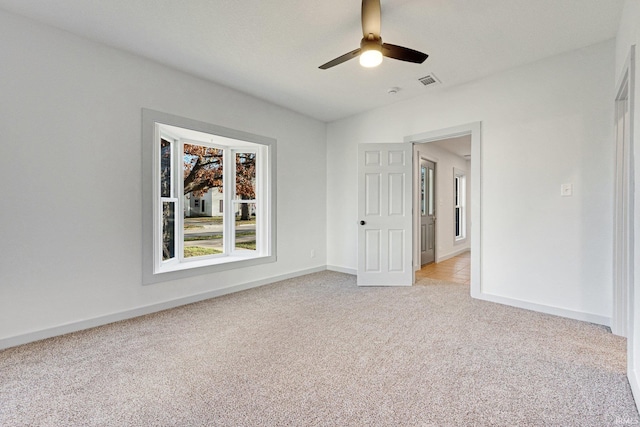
362,223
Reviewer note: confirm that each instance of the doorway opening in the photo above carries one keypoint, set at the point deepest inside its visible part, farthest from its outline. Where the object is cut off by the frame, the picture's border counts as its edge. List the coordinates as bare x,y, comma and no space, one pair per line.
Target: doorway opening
443,203
455,214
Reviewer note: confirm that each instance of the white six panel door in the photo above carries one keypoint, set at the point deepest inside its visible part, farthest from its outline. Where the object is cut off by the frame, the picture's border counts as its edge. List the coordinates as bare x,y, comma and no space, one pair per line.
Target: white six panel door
385,215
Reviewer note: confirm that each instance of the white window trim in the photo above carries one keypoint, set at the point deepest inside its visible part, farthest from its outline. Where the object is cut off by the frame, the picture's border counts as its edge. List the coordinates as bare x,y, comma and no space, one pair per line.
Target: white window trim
266,191
462,198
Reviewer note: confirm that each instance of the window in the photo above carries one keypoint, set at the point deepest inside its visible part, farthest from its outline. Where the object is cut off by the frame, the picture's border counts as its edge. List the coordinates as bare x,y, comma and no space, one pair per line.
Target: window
459,197
192,166
423,190
427,191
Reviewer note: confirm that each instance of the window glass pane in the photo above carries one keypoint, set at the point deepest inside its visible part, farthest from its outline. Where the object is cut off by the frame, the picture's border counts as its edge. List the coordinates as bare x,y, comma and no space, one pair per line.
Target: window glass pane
457,191
245,226
202,169
165,168
203,235
246,176
203,186
168,230
423,199
430,191
245,213
459,201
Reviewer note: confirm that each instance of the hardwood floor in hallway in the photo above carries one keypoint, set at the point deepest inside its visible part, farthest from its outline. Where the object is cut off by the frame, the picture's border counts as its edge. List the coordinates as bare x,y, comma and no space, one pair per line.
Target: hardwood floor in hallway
456,270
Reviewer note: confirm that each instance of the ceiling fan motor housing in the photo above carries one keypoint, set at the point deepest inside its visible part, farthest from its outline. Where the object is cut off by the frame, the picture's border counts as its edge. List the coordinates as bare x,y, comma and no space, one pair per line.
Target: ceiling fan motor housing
371,44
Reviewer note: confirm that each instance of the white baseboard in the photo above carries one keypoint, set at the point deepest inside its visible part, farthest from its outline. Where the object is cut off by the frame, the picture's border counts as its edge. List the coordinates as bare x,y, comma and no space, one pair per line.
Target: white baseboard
345,270
453,254
562,312
153,308
141,311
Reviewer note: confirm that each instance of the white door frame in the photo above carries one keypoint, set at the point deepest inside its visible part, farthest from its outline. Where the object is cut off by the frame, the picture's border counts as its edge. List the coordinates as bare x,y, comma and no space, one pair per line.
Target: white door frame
625,317
622,209
473,129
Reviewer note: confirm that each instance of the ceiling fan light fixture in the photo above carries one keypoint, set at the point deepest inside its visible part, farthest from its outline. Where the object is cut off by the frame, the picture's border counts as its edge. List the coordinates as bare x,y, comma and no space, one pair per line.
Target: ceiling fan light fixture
371,58
371,54
371,47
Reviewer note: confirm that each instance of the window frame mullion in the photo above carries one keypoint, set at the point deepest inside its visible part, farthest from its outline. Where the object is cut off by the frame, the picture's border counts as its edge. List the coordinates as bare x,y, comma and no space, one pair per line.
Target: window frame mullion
179,185
228,186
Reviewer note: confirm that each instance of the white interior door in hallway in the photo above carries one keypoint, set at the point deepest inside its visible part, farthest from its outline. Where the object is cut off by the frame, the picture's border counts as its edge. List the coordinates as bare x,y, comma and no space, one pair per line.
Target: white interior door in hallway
427,212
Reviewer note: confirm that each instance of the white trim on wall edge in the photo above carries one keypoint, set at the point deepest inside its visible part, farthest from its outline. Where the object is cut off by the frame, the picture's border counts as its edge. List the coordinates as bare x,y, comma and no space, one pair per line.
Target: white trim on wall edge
634,382
546,309
141,311
352,271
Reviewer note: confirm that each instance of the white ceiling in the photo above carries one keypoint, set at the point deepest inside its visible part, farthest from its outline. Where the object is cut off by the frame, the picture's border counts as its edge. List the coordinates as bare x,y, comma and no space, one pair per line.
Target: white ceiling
272,49
460,146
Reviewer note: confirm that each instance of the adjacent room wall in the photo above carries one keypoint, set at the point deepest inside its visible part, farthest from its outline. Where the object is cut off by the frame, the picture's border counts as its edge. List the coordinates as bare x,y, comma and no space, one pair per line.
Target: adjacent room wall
543,125
446,161
70,165
629,35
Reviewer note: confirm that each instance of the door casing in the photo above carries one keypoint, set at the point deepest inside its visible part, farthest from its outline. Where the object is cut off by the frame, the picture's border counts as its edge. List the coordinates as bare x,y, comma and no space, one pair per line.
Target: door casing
623,215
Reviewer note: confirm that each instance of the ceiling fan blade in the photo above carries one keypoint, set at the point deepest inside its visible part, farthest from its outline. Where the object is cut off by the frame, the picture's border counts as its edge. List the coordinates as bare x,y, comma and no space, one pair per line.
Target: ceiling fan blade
403,53
371,18
340,59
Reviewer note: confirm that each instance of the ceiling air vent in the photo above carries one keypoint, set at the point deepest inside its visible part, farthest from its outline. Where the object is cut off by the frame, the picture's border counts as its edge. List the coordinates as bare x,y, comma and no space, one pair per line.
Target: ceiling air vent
429,79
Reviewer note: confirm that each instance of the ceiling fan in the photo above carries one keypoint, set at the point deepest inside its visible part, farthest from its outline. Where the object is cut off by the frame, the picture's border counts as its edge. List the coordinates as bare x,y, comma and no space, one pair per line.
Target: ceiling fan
371,48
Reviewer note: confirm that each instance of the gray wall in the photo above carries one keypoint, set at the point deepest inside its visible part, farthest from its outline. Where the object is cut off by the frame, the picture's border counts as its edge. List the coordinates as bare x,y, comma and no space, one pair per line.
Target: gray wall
70,168
543,124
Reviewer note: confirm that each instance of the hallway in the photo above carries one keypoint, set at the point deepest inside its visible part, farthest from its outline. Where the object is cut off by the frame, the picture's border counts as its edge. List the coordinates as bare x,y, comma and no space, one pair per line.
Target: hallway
455,270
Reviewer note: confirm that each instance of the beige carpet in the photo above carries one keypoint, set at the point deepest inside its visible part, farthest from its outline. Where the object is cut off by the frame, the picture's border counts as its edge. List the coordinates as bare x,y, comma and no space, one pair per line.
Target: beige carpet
318,351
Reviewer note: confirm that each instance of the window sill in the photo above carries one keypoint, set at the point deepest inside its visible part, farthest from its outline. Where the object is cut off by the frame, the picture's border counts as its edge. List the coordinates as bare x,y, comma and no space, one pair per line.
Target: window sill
208,266
205,262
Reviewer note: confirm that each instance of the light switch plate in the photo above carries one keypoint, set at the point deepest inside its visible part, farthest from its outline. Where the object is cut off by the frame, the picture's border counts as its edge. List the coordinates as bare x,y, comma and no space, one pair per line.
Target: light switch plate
566,190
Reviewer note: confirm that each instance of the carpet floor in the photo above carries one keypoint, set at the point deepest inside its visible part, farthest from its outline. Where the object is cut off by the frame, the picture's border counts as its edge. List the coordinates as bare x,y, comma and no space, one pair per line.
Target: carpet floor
319,351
